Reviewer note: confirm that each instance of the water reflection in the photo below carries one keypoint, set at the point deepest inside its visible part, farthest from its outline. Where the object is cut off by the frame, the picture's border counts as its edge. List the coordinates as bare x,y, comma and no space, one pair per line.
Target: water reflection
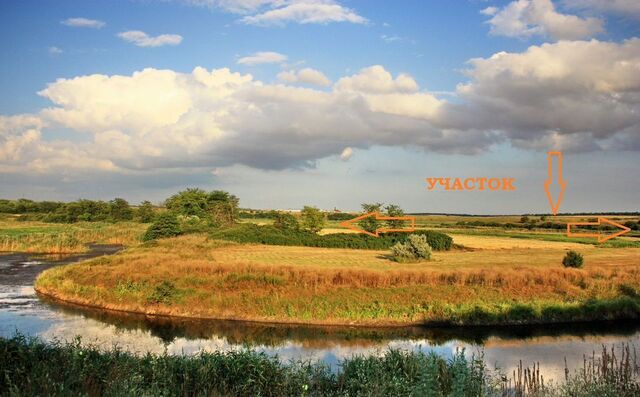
21,310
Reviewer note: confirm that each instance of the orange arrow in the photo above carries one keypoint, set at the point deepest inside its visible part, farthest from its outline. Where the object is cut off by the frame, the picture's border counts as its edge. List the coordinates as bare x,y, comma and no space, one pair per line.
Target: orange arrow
555,206
350,224
601,238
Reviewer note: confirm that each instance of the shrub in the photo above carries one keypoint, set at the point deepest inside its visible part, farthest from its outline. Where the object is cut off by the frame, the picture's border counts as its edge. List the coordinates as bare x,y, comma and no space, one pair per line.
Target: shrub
312,219
414,249
270,235
166,225
285,221
145,212
163,293
573,259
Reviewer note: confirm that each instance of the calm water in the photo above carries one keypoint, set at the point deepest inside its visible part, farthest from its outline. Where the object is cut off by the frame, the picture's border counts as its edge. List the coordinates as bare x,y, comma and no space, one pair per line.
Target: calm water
23,311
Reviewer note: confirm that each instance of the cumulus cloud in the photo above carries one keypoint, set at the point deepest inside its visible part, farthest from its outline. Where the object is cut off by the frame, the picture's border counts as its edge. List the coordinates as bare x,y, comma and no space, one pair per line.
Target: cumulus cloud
620,7
281,12
306,75
375,79
141,39
83,23
53,51
579,96
262,57
525,18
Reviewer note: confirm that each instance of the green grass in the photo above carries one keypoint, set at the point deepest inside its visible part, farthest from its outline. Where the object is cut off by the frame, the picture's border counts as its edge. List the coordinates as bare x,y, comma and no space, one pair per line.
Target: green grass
555,237
65,238
30,367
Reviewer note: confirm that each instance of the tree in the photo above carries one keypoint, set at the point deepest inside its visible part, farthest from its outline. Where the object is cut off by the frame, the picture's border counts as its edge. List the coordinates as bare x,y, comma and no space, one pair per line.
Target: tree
285,221
524,219
120,210
189,202
312,219
394,210
166,225
223,207
145,212
370,223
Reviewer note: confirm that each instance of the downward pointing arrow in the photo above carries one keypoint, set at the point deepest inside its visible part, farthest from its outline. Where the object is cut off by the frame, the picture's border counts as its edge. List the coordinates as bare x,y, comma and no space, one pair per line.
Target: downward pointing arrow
555,204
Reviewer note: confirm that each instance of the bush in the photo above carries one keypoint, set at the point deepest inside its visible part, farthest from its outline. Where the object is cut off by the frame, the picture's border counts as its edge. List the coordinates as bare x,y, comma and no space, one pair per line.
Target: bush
312,219
285,221
573,259
270,235
415,249
166,225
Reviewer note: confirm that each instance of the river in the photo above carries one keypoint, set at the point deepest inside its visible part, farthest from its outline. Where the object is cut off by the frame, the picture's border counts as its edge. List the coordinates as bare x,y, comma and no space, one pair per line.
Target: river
23,311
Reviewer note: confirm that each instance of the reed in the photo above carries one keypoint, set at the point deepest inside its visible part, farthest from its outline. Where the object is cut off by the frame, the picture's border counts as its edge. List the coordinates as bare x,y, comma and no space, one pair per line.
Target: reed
31,367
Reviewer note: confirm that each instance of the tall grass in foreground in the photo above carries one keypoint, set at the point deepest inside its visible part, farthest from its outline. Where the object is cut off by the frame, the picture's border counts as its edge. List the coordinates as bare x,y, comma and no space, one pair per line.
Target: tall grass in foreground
56,239
29,367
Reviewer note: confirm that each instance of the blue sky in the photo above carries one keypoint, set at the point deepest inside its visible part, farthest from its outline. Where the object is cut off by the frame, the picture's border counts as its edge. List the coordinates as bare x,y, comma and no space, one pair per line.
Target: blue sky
329,103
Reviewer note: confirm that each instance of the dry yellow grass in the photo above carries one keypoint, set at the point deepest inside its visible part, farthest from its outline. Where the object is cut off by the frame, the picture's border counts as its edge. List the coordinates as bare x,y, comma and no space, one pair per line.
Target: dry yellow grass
336,286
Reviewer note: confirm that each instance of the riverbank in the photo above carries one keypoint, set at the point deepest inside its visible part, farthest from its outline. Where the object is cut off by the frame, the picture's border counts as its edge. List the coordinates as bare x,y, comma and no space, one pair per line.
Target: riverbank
31,367
193,276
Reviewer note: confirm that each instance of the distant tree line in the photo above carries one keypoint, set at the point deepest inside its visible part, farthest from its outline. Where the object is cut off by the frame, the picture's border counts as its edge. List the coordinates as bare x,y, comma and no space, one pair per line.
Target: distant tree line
115,210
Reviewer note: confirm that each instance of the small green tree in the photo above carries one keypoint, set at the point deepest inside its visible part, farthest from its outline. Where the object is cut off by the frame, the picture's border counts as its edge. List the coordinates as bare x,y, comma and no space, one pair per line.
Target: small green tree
166,225
120,210
524,219
145,212
285,221
223,208
414,249
396,211
573,259
189,202
370,223
311,219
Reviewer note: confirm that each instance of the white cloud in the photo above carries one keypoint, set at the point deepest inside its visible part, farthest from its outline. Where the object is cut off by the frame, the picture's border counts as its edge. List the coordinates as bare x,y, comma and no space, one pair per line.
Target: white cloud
54,51
579,96
281,12
262,57
375,79
83,23
489,11
620,7
346,154
390,39
141,39
304,11
306,75
582,95
525,18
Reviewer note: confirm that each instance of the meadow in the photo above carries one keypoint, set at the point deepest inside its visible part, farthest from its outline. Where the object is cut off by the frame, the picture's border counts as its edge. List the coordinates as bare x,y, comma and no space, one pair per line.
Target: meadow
64,238
487,280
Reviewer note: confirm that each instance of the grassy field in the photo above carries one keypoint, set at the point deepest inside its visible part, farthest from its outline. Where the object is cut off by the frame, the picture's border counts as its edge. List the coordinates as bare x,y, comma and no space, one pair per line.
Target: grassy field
62,238
31,367
493,280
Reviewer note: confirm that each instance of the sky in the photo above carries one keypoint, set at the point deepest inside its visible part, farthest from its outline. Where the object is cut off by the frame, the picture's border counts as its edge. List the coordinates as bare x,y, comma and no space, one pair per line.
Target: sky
328,103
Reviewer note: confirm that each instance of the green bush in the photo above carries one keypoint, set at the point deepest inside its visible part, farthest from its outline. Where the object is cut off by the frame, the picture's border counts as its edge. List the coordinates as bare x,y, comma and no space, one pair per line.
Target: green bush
573,259
415,249
166,225
270,235
163,293
285,221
